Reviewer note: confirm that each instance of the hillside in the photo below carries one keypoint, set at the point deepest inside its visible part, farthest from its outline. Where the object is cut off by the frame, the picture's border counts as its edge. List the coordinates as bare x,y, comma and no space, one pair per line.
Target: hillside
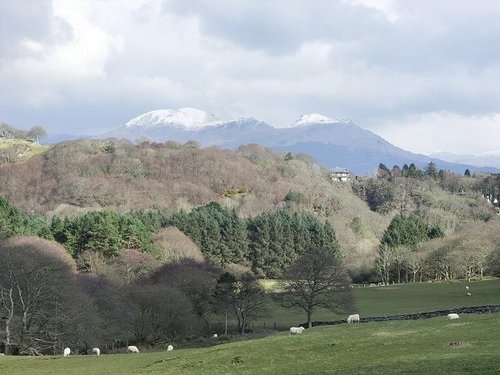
18,150
78,176
74,177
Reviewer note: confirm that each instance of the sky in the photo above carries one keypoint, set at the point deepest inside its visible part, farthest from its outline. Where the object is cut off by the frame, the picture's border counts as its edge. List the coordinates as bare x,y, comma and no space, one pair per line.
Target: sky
423,74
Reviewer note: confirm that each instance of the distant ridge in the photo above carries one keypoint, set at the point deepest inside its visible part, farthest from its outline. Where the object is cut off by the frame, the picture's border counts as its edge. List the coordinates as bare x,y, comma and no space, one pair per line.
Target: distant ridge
332,141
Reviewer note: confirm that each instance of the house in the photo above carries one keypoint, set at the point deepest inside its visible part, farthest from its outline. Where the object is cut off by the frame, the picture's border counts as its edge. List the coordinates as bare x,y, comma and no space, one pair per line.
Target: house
340,174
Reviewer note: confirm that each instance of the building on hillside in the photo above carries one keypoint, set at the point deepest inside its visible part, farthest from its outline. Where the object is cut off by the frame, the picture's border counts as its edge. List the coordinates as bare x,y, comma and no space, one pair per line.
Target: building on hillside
340,174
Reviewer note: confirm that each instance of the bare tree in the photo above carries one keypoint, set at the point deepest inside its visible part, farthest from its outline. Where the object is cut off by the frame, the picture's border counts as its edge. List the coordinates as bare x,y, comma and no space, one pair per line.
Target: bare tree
37,132
384,262
315,280
243,295
38,296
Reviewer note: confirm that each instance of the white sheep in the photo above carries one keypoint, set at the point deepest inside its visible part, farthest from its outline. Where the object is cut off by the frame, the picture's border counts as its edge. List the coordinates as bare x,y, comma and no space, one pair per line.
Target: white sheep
66,352
96,351
453,316
132,349
215,336
296,330
353,318
170,348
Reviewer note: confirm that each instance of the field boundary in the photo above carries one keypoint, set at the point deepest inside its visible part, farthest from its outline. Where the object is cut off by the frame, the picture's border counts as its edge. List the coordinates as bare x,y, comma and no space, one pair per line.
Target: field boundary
487,309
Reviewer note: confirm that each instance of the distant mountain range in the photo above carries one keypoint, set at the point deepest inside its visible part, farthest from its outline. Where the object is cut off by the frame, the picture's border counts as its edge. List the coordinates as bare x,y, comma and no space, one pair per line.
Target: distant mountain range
333,142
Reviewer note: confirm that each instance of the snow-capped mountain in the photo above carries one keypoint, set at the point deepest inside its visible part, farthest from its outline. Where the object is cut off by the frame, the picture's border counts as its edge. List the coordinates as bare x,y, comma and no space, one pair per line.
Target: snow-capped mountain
331,141
189,118
316,118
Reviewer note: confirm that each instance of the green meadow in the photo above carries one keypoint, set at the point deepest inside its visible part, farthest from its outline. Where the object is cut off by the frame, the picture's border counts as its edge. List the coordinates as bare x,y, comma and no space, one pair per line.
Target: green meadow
428,346
395,299
468,345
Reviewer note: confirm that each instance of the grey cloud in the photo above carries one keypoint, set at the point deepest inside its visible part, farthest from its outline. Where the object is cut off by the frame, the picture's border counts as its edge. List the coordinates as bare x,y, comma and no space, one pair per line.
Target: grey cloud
28,19
277,27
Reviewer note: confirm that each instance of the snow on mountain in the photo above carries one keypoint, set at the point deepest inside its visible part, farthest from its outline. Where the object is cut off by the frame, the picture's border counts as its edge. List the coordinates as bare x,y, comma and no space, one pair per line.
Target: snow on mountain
189,118
316,118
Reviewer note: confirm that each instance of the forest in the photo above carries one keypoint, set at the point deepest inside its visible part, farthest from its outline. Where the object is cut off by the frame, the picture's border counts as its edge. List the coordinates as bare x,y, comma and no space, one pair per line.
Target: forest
153,238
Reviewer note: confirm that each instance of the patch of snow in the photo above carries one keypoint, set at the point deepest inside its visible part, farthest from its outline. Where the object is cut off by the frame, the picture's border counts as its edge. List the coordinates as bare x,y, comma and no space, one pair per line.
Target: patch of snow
316,118
190,118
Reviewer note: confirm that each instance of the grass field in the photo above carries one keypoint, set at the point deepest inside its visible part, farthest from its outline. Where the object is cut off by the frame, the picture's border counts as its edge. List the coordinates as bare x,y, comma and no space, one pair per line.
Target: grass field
396,299
469,345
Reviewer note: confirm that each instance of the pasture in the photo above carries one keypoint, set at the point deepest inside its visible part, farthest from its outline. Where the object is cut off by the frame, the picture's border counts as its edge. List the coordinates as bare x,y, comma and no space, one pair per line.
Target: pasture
395,299
463,346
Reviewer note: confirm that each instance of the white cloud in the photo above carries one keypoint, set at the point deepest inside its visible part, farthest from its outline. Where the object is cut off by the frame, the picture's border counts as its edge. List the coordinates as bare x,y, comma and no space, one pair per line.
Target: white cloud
374,61
445,132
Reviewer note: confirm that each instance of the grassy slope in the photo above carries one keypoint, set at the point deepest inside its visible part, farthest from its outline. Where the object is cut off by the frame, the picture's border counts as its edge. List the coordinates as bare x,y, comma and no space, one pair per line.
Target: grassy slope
32,148
468,345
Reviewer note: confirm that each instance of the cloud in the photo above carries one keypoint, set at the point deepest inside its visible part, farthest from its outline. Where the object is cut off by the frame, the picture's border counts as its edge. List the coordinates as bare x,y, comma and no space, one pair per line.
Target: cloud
443,131
380,63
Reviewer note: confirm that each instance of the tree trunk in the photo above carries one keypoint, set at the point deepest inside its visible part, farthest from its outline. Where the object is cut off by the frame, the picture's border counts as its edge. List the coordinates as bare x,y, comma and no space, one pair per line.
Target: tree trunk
309,314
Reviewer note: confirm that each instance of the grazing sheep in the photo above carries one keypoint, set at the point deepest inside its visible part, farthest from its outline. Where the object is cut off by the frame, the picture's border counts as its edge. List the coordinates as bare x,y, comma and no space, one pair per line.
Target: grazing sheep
132,349
467,287
296,330
453,316
469,294
353,318
66,352
96,351
215,336
170,348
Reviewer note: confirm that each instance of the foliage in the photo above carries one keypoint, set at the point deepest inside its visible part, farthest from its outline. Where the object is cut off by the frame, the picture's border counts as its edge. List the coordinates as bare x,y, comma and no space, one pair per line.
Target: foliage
14,222
104,232
406,231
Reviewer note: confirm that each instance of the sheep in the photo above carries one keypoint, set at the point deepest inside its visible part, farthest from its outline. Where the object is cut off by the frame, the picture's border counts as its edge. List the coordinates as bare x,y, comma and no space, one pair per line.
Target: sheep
132,349
296,330
467,287
469,294
353,318
170,348
96,351
66,352
453,316
215,336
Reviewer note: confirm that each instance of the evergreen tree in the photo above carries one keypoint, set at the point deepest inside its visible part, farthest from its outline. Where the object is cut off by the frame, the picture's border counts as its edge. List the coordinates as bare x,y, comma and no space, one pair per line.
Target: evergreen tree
413,171
405,231
431,170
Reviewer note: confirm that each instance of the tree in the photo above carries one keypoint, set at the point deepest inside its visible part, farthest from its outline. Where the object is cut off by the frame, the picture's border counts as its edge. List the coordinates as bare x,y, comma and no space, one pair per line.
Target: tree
405,231
36,132
467,173
317,279
384,262
383,172
243,294
431,170
40,298
413,171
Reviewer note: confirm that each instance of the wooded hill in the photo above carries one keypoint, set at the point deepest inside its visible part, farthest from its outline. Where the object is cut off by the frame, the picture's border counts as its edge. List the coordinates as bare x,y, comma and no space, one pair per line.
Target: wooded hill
73,178
108,225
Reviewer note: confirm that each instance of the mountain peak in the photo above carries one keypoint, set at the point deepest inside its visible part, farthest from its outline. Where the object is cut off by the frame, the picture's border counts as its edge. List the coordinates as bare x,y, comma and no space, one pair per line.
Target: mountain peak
190,118
316,118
